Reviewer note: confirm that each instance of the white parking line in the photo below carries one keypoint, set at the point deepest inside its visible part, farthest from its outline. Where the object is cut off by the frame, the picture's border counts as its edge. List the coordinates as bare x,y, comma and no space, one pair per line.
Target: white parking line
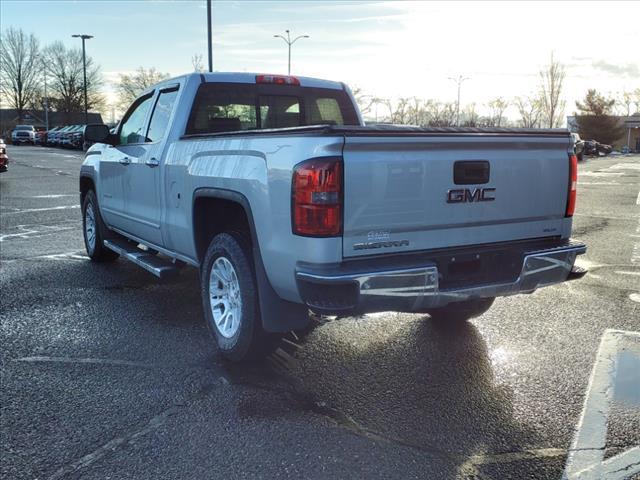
29,210
25,232
586,456
622,272
94,361
56,196
602,174
625,166
599,183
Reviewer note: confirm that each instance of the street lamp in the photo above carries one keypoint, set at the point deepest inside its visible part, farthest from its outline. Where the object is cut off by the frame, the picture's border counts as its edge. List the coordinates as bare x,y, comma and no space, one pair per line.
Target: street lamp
84,72
46,99
459,81
209,40
290,42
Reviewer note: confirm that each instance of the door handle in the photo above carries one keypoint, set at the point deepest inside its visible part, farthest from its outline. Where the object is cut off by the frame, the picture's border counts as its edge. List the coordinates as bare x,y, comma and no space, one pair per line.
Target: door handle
125,160
152,162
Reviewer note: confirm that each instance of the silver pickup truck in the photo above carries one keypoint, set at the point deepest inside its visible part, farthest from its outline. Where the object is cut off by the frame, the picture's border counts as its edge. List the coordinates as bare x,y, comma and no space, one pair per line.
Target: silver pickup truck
276,190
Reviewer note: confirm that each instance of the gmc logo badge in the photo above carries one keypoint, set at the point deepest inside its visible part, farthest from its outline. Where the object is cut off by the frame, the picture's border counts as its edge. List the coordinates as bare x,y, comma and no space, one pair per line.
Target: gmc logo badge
462,195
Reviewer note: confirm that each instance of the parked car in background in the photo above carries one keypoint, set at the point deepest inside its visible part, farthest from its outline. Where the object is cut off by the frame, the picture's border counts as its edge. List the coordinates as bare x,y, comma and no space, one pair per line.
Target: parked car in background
4,159
59,135
77,137
578,146
40,136
65,141
595,148
50,134
23,134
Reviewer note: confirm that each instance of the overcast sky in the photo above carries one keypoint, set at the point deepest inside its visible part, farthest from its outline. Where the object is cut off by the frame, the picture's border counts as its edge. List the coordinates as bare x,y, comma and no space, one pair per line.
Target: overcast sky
388,49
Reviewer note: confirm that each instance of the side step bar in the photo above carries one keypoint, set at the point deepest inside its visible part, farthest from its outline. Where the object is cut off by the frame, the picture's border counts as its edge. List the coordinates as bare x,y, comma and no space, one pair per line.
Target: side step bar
160,267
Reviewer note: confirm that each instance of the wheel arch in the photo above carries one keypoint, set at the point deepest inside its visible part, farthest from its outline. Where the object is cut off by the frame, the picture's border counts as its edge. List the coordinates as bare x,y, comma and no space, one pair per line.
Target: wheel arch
86,183
278,315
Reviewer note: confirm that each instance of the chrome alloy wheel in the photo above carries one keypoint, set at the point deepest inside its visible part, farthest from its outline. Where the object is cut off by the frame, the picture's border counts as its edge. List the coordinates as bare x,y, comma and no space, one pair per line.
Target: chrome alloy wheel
224,297
90,226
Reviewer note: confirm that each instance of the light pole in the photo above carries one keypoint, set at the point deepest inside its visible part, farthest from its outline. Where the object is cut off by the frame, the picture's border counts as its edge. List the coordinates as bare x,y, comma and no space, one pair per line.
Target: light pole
459,81
84,72
209,46
290,42
46,101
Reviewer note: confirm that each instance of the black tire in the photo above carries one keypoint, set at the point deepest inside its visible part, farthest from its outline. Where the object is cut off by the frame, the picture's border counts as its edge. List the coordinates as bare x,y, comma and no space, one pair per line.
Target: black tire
249,341
97,252
461,311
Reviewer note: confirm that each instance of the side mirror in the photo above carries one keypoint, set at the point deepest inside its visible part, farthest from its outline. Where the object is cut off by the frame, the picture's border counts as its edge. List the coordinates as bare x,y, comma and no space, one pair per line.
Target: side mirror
97,133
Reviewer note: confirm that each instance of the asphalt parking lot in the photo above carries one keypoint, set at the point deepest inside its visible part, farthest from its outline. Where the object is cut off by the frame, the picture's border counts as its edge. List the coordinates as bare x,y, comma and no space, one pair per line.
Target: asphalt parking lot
107,373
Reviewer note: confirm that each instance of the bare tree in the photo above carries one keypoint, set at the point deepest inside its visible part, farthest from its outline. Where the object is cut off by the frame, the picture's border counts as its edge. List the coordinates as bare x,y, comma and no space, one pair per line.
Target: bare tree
19,69
441,114
130,86
551,80
365,102
624,103
196,62
629,102
529,109
65,79
636,100
470,118
498,106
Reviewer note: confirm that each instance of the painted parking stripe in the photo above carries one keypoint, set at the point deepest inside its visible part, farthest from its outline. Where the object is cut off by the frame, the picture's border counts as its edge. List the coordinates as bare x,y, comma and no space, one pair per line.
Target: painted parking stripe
29,210
586,456
56,196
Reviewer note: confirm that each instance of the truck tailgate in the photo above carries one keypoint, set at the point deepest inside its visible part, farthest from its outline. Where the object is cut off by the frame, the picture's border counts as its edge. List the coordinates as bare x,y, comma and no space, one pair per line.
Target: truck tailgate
417,192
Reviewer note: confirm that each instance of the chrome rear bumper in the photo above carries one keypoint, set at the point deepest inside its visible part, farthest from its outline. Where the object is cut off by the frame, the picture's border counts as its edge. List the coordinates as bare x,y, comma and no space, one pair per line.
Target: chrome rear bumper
417,288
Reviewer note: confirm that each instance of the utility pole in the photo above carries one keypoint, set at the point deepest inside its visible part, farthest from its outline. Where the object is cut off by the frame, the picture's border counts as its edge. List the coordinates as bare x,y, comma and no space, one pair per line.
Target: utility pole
209,35
46,102
290,42
84,72
459,81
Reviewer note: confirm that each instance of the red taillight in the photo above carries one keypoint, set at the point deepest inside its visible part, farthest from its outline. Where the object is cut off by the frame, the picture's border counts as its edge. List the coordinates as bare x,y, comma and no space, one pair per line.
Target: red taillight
317,198
573,184
277,80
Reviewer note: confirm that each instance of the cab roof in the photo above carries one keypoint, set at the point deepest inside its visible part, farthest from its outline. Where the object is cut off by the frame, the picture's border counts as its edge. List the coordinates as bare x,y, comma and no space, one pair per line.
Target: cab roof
247,77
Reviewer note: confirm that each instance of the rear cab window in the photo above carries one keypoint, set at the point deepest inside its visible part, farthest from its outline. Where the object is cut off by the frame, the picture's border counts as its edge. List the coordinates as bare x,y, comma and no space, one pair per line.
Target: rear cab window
230,107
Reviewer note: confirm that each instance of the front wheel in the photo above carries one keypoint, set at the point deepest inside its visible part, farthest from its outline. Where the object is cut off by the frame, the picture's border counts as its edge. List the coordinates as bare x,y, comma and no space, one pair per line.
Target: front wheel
230,299
461,311
94,230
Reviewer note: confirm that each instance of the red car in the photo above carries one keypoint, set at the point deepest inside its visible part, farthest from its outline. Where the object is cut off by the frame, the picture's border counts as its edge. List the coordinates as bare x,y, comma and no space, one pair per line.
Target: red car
4,159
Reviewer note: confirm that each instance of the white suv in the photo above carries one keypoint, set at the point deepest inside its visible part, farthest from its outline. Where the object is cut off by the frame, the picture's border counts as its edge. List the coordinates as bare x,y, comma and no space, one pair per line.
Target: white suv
23,134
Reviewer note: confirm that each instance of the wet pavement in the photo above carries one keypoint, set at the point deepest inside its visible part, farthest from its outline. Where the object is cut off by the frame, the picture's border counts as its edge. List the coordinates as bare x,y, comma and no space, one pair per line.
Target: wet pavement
107,373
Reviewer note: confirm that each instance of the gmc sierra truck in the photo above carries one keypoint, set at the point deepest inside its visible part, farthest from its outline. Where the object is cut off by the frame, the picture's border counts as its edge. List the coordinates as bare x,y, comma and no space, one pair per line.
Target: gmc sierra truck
286,202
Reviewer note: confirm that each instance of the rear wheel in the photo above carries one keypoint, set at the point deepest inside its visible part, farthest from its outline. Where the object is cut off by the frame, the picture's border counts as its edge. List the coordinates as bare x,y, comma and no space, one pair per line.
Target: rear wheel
461,311
230,299
94,230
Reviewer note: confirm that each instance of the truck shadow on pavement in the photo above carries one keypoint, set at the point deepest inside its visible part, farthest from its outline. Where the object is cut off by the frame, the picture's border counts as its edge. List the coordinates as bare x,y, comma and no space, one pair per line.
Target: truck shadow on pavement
410,381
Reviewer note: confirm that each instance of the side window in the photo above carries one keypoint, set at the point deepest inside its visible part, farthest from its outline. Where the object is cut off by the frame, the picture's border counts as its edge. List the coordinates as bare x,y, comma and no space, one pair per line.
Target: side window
223,108
324,110
161,114
279,111
132,130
